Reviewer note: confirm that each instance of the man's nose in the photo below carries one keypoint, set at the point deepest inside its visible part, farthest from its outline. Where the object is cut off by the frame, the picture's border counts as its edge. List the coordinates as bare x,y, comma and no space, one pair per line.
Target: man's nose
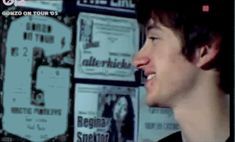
140,59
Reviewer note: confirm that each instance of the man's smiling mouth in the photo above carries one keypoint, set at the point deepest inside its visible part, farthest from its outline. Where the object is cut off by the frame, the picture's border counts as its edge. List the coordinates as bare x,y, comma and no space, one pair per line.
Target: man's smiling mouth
151,76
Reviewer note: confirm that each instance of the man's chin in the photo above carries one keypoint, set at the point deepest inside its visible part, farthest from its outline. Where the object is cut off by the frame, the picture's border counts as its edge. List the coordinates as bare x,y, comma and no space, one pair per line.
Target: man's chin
152,103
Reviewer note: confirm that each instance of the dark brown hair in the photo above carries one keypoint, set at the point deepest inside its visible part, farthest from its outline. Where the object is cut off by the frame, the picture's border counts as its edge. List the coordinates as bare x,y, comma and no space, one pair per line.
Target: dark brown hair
197,26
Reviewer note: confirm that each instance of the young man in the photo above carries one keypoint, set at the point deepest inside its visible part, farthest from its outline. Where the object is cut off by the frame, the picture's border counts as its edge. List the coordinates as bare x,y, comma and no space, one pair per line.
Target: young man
188,60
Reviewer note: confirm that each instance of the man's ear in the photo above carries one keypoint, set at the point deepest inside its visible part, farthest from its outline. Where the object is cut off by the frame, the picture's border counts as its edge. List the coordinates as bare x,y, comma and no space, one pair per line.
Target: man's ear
207,53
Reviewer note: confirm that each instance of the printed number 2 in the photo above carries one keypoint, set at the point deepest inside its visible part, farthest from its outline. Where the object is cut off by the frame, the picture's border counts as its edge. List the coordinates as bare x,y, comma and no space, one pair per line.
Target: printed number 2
25,51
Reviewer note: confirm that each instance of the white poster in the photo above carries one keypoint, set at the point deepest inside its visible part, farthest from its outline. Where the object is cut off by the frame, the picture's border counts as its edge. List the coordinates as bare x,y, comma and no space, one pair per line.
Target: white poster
105,47
105,113
154,123
55,5
37,78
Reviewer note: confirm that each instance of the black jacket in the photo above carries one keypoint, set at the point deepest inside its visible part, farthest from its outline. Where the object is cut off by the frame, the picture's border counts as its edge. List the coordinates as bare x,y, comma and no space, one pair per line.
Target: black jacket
176,137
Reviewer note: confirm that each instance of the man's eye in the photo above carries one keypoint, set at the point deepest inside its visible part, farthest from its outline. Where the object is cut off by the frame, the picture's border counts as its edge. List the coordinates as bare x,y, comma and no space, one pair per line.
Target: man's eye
153,38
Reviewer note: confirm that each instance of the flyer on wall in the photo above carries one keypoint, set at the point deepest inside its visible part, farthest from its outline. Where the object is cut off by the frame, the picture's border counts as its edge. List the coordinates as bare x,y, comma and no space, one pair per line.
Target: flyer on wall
111,115
127,6
37,77
154,123
105,47
53,5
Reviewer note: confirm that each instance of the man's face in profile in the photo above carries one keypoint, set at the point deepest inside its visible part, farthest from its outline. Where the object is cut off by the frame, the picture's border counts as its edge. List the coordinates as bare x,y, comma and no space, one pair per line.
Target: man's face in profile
169,74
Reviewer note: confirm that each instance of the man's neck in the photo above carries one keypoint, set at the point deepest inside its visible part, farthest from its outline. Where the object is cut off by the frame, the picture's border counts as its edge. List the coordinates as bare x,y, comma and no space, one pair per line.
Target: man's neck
203,115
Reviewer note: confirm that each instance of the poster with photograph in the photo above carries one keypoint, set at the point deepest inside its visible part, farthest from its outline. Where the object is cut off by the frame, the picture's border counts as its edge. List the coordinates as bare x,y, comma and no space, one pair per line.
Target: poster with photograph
154,123
37,77
105,47
105,113
127,6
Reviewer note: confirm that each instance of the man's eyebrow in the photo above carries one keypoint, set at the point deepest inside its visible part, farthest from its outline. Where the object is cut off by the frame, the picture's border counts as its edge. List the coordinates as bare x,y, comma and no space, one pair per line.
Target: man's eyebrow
152,26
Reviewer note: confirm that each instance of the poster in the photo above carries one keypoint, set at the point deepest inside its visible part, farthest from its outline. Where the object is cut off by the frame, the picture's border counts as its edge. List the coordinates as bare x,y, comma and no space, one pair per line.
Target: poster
127,6
154,123
55,5
105,113
37,77
105,47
